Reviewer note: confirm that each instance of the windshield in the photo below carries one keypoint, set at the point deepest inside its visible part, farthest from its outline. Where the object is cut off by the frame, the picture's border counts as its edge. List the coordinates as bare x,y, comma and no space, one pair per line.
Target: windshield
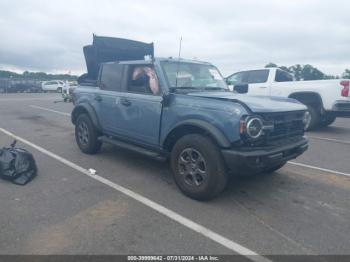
182,75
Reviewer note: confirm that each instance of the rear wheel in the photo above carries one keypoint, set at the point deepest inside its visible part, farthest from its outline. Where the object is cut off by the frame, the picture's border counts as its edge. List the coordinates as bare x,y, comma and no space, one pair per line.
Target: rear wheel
86,135
312,119
328,120
198,167
59,90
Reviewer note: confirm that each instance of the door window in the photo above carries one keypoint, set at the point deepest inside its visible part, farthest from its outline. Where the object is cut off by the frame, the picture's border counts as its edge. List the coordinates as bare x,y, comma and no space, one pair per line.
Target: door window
257,76
142,79
237,78
112,77
282,76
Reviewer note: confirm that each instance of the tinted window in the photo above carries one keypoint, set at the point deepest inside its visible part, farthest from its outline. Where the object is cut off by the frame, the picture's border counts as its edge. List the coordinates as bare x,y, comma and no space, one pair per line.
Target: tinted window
257,76
238,78
282,76
111,77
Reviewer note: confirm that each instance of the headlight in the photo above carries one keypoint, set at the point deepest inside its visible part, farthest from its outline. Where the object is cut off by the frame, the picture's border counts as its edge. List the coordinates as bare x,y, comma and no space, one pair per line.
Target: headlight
254,127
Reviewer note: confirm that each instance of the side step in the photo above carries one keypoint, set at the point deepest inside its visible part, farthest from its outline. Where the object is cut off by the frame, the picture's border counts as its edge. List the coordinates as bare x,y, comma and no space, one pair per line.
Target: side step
131,147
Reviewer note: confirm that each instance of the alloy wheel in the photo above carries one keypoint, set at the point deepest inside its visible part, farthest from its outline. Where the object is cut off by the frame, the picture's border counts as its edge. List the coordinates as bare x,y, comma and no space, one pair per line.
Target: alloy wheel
192,166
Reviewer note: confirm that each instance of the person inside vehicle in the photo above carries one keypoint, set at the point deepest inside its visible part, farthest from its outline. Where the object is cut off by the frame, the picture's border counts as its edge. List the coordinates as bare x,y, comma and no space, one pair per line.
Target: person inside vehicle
145,76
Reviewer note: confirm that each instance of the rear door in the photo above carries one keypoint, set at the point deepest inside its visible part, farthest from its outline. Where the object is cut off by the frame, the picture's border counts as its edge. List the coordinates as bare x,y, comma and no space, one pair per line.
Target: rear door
277,87
106,98
258,82
140,108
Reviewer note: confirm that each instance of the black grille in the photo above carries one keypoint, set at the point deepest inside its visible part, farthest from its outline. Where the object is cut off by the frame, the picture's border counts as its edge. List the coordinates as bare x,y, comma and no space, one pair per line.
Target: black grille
287,126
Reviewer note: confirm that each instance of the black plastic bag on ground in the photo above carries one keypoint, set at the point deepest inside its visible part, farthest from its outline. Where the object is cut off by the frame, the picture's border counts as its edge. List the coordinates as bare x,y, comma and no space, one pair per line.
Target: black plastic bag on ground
17,165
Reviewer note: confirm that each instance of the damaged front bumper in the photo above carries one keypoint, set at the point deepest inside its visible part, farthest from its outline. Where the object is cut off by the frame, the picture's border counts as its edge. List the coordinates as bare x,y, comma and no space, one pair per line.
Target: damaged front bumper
261,158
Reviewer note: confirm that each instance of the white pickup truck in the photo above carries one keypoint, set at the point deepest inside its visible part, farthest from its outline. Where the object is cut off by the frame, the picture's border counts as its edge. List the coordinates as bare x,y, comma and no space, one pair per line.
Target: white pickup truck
325,99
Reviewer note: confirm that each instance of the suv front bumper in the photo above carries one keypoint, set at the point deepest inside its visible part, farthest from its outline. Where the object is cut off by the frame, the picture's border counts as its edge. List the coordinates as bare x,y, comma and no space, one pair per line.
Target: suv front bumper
261,158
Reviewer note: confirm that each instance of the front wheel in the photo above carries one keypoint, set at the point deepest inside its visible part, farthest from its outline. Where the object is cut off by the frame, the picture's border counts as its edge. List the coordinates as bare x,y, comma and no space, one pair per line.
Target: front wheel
86,135
198,167
312,118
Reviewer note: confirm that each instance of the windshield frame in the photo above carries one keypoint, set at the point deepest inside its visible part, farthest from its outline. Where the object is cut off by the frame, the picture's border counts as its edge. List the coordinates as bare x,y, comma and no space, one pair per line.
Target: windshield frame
193,89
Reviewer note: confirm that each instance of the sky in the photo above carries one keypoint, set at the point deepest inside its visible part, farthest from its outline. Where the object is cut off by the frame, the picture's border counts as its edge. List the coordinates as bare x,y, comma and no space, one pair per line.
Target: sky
41,35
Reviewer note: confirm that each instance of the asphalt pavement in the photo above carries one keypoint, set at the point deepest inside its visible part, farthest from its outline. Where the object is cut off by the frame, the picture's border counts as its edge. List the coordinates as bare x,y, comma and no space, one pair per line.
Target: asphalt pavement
300,209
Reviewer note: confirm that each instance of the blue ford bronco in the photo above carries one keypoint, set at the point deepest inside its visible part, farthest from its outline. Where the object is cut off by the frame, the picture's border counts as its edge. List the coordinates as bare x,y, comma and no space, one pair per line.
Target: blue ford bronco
183,111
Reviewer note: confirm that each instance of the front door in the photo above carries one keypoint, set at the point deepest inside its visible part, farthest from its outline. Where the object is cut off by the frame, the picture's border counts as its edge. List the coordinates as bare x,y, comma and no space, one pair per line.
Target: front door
141,106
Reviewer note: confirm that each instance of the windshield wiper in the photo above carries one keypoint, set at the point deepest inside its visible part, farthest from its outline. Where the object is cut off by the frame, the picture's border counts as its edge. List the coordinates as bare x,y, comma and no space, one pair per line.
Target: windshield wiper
213,88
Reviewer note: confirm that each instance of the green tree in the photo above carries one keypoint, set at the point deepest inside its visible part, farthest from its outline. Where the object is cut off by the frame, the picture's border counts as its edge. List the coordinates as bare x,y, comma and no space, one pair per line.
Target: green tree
346,74
312,73
297,70
269,65
41,76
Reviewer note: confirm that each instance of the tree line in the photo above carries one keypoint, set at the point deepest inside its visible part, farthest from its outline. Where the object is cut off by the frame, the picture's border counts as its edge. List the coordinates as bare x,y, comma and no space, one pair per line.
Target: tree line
39,76
308,72
301,72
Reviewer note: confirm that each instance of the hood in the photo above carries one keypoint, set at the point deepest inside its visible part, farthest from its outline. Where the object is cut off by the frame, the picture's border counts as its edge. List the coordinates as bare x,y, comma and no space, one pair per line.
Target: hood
109,49
257,104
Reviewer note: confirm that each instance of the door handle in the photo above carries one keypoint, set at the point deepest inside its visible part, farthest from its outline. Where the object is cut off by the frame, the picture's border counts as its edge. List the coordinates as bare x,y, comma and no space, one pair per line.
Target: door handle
263,86
125,102
98,98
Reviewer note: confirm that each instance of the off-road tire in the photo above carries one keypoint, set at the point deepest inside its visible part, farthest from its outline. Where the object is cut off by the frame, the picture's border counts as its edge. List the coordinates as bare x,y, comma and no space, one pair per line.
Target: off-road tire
328,120
216,175
90,144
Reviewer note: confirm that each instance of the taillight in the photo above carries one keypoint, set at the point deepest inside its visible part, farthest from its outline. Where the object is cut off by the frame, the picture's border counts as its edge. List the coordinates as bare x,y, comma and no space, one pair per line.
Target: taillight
345,90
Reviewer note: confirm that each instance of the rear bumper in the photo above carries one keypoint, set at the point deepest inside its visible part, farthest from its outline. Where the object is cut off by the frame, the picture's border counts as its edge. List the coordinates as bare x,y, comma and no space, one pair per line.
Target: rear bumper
259,159
340,108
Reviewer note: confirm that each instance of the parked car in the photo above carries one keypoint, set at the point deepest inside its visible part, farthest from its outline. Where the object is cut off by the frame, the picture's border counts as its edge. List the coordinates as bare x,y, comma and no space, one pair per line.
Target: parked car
9,85
182,110
23,88
55,85
325,99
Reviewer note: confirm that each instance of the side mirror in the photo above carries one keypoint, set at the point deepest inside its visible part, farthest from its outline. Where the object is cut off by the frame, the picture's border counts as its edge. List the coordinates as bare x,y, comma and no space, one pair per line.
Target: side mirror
241,88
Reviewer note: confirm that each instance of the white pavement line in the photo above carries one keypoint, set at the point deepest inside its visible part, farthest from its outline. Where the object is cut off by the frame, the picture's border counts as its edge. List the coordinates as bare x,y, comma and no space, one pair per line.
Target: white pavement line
50,110
330,139
320,169
151,204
